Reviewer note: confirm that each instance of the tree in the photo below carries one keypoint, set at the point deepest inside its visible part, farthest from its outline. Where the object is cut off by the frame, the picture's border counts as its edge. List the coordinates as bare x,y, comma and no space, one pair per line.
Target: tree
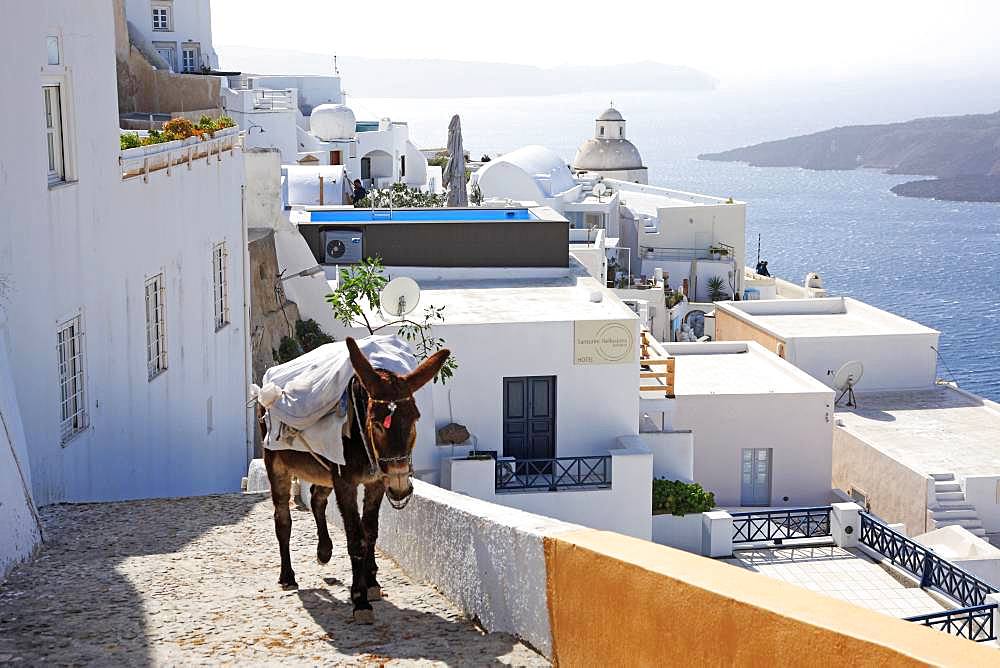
363,282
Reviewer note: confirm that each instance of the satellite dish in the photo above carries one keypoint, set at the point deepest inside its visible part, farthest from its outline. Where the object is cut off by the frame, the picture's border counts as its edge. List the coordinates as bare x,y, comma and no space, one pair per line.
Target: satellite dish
846,378
399,297
600,189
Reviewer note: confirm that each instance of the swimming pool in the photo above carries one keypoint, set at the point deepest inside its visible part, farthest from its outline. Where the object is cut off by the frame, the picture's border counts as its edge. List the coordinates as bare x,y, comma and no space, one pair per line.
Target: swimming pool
419,215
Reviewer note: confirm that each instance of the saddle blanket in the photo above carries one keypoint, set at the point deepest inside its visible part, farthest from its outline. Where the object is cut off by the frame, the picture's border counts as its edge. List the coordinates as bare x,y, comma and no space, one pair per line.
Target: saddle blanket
305,399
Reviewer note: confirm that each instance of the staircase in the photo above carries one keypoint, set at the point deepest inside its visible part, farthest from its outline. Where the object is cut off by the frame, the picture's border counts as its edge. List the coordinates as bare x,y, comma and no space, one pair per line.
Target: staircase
951,507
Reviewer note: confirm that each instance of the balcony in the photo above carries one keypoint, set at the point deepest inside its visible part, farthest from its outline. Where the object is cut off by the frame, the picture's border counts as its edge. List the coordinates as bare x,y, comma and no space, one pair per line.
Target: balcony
181,153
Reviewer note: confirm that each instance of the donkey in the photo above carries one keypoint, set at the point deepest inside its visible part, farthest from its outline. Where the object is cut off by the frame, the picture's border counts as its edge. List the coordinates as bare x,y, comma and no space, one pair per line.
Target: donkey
378,442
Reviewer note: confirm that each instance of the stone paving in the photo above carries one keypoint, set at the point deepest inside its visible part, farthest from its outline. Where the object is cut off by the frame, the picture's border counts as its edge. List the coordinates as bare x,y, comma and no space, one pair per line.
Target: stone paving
194,581
847,574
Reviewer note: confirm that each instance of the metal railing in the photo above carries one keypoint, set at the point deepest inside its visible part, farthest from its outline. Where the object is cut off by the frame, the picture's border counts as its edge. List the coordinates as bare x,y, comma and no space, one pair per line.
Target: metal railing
273,99
669,253
777,526
974,622
931,570
553,474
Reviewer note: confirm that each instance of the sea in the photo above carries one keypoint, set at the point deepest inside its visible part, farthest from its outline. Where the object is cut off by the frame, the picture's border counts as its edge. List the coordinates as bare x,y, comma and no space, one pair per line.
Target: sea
934,262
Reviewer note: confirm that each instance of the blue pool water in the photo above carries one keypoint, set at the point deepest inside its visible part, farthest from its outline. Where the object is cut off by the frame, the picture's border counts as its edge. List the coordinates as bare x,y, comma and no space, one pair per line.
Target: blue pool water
419,215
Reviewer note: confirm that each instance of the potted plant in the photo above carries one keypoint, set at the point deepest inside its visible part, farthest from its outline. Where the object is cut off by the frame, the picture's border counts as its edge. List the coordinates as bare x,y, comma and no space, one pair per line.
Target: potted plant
717,289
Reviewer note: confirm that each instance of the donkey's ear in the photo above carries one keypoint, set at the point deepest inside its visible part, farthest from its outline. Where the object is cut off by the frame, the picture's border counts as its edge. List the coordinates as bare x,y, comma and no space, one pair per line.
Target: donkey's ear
427,370
369,379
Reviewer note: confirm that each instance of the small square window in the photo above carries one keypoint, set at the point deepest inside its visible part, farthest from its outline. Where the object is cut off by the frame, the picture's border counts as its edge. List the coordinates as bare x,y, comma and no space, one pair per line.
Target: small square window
161,18
52,48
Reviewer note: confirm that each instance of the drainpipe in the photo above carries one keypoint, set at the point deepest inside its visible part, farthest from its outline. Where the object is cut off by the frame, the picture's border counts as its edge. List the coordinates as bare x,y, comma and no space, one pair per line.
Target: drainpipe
247,349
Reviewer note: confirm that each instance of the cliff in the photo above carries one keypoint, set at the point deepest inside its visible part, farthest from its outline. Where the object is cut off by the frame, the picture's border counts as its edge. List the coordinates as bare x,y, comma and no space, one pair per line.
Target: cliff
963,151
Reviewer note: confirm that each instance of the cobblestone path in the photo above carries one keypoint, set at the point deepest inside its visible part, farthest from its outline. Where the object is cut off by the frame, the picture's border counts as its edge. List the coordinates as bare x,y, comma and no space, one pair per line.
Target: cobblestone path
194,581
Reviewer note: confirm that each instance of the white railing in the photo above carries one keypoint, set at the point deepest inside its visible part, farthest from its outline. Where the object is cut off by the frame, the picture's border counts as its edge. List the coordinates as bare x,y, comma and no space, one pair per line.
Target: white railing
144,160
273,99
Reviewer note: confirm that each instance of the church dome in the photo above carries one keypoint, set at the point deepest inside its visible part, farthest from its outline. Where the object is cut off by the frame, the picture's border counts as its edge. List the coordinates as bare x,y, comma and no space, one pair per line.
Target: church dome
610,114
607,154
330,122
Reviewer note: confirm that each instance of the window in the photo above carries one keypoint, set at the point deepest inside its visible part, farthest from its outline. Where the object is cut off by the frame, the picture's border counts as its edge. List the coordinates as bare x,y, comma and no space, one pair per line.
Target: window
220,281
167,51
621,132
54,132
602,130
402,165
156,327
73,407
52,49
161,17
190,58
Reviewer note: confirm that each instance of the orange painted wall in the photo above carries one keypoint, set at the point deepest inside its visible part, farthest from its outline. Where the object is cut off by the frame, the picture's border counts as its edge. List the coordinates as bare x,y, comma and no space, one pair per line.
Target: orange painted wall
620,601
730,328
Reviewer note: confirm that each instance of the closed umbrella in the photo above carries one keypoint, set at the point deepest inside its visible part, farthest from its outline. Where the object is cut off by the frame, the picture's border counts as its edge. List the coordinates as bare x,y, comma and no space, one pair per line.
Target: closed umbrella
454,171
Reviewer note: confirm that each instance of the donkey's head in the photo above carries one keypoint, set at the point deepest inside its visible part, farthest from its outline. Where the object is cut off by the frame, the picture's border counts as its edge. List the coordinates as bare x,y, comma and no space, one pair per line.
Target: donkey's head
390,424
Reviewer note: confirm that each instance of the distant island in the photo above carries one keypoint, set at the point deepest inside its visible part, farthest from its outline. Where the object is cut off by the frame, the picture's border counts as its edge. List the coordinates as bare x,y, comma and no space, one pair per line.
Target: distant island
378,77
962,152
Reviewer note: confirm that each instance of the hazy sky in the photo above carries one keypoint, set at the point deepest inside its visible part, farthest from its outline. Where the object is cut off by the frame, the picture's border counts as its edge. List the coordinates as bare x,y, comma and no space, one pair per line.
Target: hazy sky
730,39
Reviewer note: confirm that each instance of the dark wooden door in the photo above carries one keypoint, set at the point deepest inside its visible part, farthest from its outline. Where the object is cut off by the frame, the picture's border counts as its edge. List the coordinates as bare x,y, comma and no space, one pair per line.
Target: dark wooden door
529,410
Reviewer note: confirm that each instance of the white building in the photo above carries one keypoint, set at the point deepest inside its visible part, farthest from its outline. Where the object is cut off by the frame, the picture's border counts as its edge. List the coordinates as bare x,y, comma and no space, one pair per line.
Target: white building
820,335
609,153
127,309
690,238
744,424
307,120
179,31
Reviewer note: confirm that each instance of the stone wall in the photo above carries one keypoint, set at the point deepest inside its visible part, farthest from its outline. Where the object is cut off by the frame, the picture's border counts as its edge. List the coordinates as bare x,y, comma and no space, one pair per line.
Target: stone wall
272,316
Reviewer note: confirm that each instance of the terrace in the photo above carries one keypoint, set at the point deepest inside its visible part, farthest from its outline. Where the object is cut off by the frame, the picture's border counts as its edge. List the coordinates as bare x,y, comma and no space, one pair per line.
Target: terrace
178,154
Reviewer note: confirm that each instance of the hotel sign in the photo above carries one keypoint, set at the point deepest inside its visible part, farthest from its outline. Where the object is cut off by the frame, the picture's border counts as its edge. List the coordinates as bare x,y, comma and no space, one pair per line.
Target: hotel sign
603,342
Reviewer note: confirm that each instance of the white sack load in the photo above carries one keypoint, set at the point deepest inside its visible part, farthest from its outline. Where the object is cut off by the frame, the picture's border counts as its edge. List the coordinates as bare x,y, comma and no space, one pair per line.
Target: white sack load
305,394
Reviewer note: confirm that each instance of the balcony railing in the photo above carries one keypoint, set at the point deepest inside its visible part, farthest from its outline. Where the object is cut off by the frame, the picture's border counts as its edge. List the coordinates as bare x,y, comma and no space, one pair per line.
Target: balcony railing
972,623
553,474
920,562
716,251
273,99
182,153
777,526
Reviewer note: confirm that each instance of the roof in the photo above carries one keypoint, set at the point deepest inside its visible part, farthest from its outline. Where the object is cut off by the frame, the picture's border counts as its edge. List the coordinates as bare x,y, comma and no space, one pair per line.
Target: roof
518,300
610,114
604,154
934,430
736,368
535,161
821,318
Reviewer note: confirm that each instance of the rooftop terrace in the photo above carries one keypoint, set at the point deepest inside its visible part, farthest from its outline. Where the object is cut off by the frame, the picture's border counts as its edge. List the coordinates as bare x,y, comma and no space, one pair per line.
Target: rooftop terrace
735,368
822,317
935,430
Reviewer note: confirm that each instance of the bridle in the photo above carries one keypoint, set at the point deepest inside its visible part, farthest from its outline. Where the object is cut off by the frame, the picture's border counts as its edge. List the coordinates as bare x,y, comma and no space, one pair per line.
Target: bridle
374,460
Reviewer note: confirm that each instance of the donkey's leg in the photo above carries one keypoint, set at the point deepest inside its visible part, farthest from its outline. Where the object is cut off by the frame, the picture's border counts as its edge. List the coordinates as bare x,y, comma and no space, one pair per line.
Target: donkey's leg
347,503
318,498
369,521
280,477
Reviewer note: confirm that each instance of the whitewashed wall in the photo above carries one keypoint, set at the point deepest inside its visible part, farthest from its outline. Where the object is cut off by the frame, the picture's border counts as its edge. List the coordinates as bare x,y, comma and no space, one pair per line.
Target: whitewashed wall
86,248
796,426
899,361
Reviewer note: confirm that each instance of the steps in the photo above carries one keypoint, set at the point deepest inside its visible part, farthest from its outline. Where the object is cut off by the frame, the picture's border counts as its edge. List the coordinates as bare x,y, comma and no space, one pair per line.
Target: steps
951,507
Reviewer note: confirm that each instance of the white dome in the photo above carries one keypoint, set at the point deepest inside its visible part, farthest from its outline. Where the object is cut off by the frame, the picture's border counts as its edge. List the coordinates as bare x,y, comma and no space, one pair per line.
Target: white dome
610,114
329,122
607,154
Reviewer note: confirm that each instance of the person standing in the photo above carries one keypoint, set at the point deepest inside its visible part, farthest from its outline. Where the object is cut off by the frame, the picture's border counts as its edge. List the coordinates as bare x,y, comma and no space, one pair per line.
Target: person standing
359,192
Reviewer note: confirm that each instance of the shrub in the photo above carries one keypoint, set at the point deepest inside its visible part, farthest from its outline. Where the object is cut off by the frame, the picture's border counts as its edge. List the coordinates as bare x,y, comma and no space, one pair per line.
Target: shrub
287,350
675,497
310,335
399,195
131,140
178,128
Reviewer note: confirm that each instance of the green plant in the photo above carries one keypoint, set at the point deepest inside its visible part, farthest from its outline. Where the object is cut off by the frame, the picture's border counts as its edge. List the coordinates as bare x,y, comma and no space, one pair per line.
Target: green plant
439,160
130,140
717,289
287,350
675,497
674,298
476,196
399,195
363,282
310,335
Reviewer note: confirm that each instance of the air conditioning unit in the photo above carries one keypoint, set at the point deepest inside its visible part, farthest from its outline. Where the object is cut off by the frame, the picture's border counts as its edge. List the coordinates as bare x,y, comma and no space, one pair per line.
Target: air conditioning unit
342,246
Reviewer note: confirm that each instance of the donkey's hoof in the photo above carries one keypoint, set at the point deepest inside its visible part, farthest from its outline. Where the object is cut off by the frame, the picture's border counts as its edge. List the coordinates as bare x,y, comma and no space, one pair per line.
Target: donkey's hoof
289,585
323,557
375,593
364,616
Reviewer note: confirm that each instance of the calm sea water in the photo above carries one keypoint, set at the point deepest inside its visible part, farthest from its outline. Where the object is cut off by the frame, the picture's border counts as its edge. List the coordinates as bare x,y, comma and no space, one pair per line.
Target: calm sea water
934,262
